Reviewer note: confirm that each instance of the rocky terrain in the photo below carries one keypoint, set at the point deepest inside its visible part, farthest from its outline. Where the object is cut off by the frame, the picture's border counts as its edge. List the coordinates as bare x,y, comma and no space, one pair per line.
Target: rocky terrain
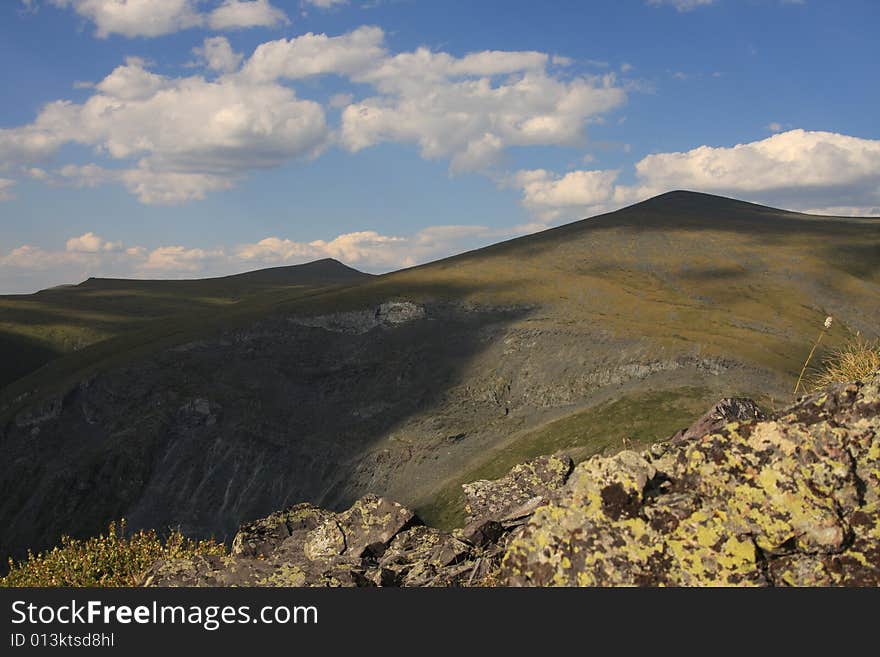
608,333
737,499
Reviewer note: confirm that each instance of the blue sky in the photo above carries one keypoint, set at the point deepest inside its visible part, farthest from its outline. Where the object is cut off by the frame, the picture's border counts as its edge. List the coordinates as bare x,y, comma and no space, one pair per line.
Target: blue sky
188,138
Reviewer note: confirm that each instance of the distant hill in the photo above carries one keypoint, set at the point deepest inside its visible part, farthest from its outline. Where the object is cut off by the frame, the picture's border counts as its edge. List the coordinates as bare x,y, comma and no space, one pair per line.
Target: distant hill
326,271
37,328
614,330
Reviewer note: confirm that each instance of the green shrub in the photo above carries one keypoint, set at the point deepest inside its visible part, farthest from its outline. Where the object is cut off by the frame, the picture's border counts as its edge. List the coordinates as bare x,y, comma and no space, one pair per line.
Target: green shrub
110,559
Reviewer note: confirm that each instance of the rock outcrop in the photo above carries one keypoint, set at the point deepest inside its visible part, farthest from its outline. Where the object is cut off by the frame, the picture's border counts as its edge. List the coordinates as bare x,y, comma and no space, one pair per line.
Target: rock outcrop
790,500
737,499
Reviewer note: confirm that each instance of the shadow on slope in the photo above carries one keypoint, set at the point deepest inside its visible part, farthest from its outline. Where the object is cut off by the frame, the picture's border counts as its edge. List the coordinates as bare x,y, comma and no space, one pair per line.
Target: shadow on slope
224,425
68,318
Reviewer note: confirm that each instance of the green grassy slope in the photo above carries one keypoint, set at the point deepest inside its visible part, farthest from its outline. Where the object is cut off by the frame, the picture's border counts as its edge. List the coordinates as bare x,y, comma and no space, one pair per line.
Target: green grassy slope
632,421
38,328
679,270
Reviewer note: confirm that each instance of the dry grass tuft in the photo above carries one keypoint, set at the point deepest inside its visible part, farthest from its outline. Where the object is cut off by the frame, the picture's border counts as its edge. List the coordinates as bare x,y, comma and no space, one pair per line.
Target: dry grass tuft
856,360
110,559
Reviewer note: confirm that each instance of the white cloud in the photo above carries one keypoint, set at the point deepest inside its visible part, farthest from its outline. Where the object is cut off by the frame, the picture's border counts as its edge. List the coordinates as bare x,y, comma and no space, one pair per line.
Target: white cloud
458,108
796,170
151,18
178,259
132,18
547,195
6,185
86,175
218,55
151,187
91,243
373,251
132,81
793,159
28,267
178,137
172,187
28,257
316,54
326,4
36,173
359,247
32,142
681,5
237,14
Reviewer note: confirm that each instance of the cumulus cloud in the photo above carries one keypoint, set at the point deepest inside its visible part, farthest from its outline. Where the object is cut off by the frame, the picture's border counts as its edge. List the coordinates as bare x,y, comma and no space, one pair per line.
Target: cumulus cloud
237,14
794,159
171,187
681,5
177,259
464,110
178,137
91,243
133,18
373,251
152,18
28,267
316,54
6,185
797,170
218,55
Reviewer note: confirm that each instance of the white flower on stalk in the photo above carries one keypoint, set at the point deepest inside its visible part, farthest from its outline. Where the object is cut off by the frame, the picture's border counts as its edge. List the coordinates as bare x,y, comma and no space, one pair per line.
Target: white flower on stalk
828,321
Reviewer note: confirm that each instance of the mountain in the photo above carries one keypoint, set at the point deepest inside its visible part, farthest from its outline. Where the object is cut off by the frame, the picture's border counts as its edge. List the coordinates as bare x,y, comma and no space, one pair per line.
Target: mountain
37,328
609,332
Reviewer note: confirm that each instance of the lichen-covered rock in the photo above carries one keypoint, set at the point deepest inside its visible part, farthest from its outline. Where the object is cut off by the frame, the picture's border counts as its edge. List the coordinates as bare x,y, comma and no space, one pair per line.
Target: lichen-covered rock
526,485
262,537
371,523
376,542
791,500
729,409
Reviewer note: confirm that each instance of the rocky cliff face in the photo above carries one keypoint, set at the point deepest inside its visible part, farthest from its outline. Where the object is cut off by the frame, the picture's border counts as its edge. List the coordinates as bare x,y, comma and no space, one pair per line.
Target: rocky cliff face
391,400
738,499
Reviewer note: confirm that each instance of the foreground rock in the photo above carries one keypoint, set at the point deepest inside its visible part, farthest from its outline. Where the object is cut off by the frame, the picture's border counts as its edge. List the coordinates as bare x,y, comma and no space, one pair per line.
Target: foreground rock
792,500
736,499
376,542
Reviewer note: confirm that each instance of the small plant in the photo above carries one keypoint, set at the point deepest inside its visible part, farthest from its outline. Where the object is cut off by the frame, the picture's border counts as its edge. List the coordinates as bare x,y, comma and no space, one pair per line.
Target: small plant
827,325
110,559
856,360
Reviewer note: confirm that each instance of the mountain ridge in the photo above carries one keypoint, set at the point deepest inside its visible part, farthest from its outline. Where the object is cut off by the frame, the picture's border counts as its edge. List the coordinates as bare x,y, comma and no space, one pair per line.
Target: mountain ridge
323,270
410,383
